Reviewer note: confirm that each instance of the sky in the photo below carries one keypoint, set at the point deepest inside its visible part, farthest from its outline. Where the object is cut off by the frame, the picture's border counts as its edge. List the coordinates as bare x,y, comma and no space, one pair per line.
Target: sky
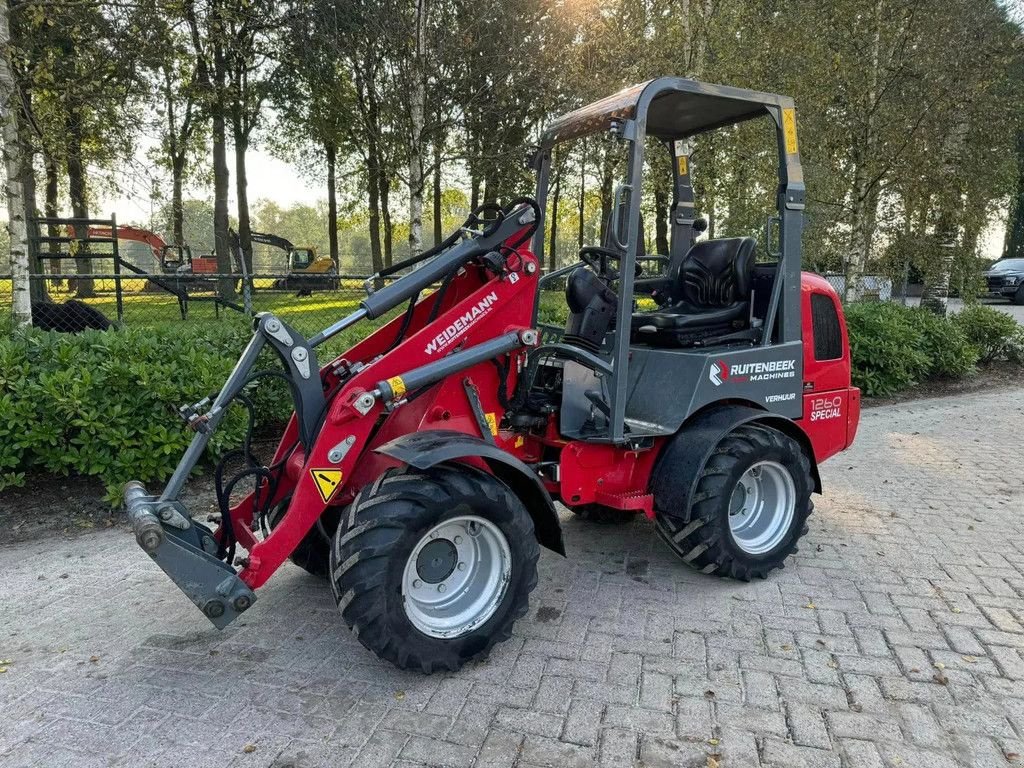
269,177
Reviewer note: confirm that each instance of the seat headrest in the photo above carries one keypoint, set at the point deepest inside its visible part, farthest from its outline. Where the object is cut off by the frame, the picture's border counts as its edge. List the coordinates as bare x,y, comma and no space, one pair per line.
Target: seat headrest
716,273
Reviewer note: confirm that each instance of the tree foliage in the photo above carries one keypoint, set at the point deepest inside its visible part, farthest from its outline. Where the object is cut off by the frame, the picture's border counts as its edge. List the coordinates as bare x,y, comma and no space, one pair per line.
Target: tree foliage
910,113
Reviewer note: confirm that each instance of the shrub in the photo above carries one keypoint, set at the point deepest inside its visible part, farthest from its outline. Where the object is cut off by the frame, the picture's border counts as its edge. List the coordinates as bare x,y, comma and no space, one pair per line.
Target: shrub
104,403
996,334
886,347
949,353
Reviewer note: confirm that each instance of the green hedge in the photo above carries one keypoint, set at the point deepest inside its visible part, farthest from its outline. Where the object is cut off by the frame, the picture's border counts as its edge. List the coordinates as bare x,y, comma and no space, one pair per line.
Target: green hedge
104,403
894,347
995,334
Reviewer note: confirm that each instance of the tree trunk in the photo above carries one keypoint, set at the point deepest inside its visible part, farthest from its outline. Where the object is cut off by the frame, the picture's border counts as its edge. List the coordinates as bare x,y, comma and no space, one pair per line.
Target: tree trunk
37,280
221,180
582,200
660,220
417,102
13,151
385,217
491,184
177,200
863,213
373,175
78,190
221,175
51,210
864,217
176,155
241,141
1014,248
607,170
438,224
556,194
331,152
935,296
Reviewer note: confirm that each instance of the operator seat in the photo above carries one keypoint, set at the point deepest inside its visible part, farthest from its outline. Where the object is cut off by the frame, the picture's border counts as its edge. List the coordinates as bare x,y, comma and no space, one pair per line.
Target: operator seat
708,295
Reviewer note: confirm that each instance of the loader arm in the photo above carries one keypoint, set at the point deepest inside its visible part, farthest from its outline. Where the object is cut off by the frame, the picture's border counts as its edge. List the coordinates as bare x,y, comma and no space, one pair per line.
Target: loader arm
482,312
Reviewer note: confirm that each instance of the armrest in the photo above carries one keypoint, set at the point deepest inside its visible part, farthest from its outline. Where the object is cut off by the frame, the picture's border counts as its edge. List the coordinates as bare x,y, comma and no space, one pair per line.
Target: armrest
651,285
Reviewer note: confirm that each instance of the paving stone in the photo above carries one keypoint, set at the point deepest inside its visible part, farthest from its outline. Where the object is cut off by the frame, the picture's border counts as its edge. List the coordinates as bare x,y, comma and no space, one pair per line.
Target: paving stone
807,726
861,754
856,725
439,753
627,673
500,749
618,747
557,754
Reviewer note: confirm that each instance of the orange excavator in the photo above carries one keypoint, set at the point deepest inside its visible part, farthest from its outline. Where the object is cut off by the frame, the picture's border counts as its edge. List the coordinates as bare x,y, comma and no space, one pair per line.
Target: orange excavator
173,259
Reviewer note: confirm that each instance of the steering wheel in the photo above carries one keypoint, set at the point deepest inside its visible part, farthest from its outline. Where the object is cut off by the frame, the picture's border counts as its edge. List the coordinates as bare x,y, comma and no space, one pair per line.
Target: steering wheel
597,258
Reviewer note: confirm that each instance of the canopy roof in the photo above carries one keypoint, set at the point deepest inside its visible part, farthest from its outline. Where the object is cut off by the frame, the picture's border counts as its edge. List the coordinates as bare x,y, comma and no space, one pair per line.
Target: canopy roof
678,108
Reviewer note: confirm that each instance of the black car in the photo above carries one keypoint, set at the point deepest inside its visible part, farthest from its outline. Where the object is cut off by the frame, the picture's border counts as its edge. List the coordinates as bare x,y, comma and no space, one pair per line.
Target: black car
1005,280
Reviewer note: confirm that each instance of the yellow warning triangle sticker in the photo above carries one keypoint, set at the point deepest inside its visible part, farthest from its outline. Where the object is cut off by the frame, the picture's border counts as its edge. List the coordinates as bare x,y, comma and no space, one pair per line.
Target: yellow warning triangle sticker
326,481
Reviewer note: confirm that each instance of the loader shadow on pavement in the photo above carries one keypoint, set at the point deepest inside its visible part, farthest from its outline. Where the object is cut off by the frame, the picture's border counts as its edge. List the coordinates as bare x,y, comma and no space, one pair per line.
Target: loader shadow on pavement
893,638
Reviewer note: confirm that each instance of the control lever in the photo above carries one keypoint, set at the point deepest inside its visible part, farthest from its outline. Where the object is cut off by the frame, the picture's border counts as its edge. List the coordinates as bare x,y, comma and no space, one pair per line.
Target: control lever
595,397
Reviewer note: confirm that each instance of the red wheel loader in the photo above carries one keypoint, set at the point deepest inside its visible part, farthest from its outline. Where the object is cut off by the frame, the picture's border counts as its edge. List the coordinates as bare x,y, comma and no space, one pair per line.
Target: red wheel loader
420,470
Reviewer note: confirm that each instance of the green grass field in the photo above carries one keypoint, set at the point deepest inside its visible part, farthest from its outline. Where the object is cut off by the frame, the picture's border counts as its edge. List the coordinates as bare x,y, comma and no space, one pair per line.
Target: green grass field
307,314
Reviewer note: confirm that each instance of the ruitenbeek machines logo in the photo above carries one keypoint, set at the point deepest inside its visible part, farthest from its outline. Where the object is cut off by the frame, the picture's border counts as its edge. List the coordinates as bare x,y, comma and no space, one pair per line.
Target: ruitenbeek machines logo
737,373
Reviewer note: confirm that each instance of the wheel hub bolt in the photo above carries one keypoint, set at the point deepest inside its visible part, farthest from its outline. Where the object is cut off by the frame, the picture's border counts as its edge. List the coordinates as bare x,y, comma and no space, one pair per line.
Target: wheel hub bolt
417,584
441,587
462,566
458,539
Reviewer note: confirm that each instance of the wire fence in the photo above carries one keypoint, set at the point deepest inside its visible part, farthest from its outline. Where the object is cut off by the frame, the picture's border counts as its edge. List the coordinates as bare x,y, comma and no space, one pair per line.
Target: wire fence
76,302
307,302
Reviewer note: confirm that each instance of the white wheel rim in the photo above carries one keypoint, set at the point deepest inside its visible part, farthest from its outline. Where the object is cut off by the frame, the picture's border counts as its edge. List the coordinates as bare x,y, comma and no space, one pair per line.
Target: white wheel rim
762,507
456,576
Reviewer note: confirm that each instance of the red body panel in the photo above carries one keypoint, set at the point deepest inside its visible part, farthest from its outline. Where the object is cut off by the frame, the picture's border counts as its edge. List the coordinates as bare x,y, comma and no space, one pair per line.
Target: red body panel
831,405
478,307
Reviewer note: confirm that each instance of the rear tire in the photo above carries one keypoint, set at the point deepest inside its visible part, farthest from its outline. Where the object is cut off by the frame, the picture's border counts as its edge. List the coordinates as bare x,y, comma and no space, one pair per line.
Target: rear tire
455,527
750,506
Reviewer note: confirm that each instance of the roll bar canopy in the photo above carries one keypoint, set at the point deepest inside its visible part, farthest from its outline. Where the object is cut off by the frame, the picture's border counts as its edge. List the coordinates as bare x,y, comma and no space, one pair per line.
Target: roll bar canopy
679,108
673,109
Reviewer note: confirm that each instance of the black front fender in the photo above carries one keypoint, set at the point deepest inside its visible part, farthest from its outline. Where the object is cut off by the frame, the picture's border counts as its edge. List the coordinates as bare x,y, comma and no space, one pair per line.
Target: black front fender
423,450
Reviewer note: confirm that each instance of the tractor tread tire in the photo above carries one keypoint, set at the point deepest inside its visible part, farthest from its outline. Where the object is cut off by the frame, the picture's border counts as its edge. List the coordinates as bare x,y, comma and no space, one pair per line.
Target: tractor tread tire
380,530
702,539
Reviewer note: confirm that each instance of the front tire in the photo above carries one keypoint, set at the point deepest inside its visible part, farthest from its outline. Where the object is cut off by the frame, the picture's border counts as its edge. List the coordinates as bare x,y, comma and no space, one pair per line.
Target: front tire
432,568
1018,297
750,506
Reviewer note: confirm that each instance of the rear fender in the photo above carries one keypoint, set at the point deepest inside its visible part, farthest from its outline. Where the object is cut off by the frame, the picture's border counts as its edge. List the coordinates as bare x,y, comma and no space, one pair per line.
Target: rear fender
678,468
423,450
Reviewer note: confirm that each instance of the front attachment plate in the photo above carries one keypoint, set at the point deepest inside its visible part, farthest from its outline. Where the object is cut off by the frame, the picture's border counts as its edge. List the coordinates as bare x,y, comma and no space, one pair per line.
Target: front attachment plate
211,584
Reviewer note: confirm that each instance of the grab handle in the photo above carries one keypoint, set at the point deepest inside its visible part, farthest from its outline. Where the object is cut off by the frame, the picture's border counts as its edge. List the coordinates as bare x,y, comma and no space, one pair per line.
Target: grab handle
613,230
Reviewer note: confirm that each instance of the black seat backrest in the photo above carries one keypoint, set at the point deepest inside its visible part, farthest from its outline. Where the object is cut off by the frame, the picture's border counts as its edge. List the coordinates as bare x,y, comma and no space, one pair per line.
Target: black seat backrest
592,307
714,273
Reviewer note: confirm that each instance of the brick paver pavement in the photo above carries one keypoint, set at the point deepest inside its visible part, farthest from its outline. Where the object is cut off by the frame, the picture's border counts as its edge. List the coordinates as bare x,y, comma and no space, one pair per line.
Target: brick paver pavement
894,638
